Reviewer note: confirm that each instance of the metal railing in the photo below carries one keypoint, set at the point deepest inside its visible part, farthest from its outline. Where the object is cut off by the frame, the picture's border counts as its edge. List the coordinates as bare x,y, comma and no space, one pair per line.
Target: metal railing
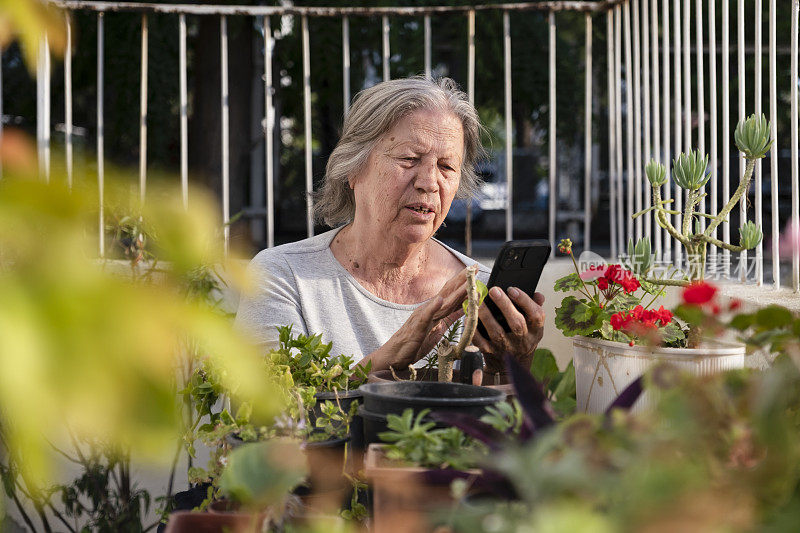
652,93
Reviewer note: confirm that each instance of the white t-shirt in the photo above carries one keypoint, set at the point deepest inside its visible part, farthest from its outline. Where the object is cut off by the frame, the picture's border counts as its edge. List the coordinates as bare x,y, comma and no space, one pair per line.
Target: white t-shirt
303,284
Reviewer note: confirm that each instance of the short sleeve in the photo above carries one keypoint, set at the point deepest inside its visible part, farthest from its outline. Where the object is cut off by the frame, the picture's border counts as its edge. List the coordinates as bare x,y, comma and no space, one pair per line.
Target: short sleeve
272,300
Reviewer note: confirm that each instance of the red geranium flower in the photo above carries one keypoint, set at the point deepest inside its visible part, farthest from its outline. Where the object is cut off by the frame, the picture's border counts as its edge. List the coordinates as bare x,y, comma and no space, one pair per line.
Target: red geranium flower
602,283
699,293
619,320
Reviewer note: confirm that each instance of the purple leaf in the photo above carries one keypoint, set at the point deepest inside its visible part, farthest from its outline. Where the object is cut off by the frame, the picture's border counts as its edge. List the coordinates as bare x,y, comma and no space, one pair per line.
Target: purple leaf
628,397
473,427
530,395
487,482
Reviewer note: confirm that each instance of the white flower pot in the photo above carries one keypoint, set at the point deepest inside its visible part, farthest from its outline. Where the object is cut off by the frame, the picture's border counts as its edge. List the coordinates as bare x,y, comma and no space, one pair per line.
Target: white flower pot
604,368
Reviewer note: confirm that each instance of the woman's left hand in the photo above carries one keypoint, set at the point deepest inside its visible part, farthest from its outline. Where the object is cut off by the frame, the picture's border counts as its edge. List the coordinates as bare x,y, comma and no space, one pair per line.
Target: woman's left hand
525,318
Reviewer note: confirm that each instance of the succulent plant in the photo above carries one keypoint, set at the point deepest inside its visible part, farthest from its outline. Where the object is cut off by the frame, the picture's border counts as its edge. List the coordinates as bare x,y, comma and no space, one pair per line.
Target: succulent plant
750,235
690,171
640,257
656,173
752,137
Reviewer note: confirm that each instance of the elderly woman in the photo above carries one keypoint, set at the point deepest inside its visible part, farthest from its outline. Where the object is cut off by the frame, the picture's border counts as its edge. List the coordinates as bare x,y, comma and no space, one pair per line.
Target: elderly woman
380,286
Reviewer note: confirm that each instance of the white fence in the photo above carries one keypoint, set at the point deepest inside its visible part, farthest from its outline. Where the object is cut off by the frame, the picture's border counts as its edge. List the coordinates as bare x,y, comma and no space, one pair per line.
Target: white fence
662,55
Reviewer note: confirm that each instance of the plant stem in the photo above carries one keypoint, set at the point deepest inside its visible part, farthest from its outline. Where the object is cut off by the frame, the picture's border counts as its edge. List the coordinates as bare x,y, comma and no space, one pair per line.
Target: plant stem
721,244
470,324
577,271
748,173
670,282
662,219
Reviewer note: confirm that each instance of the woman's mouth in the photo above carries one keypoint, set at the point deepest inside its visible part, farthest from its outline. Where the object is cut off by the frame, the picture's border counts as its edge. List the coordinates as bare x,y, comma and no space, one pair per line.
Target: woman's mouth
421,210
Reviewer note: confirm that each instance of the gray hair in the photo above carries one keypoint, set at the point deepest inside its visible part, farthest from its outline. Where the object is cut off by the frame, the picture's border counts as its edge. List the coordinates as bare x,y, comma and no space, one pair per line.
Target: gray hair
374,112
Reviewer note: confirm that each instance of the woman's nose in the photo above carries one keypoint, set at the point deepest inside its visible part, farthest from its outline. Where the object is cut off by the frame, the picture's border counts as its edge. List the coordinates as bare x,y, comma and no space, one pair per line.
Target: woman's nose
426,177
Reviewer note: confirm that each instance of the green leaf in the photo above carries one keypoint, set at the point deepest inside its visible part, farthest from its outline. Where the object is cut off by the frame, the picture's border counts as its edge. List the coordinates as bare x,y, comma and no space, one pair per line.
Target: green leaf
624,301
263,473
544,367
611,334
672,332
568,283
691,314
743,321
566,386
774,316
575,317
483,291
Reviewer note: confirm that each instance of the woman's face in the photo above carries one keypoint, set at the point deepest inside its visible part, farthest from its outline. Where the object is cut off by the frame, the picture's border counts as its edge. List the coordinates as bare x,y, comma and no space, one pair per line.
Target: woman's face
411,176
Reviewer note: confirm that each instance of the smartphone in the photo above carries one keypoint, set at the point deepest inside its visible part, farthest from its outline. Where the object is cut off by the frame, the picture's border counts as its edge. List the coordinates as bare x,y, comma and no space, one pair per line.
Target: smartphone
519,264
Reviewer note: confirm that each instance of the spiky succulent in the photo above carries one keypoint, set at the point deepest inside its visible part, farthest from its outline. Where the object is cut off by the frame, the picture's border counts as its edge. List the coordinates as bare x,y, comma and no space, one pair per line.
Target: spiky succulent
752,136
749,235
656,173
690,171
640,257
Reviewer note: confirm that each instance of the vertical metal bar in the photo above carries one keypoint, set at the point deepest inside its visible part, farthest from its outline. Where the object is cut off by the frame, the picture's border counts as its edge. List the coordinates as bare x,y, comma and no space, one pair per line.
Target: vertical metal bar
620,222
758,170
646,117
795,224
637,115
629,98
712,71
223,36
307,125
742,87
269,128
385,32
773,156
656,107
427,51
687,75
345,63
100,126
587,137
701,97
668,244
612,133
1,107
43,107
676,56
184,110
509,145
143,114
553,192
67,99
726,129
471,95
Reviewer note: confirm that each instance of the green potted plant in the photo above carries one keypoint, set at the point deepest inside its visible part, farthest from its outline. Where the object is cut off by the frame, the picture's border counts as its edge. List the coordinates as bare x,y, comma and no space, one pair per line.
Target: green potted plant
617,329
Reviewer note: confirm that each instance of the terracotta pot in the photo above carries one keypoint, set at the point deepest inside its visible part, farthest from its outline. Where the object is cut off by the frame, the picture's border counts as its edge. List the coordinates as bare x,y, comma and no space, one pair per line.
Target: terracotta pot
604,368
403,499
326,465
192,522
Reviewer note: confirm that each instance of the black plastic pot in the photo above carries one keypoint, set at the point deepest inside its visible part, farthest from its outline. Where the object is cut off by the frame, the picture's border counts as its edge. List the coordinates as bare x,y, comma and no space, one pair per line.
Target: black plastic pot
382,399
395,397
346,399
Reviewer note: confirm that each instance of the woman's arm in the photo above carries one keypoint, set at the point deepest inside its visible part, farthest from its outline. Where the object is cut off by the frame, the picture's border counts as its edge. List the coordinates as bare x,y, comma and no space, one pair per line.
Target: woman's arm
423,329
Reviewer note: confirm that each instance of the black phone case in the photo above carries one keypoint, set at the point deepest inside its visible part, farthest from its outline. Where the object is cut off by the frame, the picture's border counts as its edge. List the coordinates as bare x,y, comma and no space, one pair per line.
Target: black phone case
519,264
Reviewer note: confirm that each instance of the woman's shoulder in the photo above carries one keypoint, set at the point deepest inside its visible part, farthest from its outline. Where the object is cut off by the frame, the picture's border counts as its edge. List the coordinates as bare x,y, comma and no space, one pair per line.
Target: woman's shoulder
281,257
465,260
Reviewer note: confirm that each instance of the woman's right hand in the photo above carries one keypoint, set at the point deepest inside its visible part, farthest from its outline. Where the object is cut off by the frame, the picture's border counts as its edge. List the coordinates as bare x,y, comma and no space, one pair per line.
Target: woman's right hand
423,329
